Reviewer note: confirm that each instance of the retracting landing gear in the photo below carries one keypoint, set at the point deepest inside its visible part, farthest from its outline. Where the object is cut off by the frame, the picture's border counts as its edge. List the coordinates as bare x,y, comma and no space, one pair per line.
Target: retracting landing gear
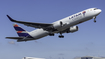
94,19
61,36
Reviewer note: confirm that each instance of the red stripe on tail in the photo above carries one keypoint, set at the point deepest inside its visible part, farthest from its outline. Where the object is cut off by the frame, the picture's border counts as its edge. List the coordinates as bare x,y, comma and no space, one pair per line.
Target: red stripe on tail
19,31
16,25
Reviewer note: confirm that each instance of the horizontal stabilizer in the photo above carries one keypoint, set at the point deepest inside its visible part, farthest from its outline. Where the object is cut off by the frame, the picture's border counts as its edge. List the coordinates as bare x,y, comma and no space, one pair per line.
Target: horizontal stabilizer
15,38
20,39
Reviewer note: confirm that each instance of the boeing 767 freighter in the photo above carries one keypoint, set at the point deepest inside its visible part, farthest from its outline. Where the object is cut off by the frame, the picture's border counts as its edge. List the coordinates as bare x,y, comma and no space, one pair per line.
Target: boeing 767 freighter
65,25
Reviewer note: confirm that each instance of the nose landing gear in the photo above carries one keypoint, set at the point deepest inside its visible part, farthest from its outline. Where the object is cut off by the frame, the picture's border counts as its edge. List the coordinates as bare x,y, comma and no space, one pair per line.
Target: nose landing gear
94,19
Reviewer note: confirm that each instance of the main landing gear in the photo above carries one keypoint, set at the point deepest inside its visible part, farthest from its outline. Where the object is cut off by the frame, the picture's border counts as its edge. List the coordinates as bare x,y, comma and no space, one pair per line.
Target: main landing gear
94,19
51,34
61,36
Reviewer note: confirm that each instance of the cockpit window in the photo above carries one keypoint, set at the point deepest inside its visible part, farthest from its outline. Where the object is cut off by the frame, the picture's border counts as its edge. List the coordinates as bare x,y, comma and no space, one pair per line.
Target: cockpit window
95,8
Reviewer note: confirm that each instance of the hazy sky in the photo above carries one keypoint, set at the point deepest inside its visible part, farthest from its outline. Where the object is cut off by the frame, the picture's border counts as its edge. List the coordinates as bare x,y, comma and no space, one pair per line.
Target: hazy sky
88,41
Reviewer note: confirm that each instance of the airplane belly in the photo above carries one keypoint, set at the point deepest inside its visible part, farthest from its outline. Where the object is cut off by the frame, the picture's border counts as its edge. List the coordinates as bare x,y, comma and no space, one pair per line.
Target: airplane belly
39,33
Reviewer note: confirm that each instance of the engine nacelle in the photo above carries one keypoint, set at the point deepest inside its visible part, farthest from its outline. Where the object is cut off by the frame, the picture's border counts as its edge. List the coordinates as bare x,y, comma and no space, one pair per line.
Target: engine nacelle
73,29
58,24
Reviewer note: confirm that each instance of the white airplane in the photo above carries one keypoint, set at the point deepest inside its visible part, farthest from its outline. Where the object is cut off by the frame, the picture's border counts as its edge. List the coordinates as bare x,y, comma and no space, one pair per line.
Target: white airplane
32,58
65,25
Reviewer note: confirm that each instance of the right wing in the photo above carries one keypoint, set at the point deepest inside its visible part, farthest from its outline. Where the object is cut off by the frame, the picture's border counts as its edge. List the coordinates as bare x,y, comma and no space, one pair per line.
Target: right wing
32,24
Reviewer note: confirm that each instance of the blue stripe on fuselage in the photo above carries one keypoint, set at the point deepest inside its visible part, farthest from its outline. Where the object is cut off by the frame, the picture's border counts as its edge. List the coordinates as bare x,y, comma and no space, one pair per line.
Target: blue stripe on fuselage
24,35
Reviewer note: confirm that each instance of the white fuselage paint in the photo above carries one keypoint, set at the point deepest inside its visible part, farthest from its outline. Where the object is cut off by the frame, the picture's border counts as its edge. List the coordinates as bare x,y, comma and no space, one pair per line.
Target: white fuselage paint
67,22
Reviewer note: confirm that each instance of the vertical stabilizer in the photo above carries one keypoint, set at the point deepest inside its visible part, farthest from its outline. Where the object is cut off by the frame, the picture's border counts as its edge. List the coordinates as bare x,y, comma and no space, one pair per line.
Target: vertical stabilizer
21,32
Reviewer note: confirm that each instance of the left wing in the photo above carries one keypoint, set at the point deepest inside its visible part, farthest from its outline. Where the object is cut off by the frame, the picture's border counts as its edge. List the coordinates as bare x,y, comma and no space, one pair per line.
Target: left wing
32,24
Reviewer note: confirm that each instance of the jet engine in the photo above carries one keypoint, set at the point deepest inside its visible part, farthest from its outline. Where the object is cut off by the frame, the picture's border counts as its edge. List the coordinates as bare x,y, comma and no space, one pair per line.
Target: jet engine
72,29
58,24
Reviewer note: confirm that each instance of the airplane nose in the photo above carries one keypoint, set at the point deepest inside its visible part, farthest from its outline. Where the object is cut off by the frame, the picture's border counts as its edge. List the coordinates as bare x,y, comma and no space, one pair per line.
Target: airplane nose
99,10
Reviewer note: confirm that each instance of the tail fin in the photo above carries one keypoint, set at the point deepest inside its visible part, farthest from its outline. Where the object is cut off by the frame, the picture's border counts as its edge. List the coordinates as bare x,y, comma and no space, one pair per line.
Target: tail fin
21,32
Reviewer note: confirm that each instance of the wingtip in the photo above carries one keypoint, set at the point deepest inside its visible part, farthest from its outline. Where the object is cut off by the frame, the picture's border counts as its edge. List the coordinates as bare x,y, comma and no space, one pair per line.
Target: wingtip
7,15
10,18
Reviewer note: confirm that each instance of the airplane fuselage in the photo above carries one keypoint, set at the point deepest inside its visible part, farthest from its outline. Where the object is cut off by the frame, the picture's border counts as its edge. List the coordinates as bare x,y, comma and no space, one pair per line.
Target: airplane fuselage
67,22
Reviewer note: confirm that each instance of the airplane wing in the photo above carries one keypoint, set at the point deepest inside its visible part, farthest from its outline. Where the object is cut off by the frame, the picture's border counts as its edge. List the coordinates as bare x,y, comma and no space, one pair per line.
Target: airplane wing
32,24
